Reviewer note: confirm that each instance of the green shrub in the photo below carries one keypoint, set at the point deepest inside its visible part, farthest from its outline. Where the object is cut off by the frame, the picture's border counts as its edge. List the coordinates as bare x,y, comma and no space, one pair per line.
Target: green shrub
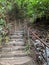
26,8
31,8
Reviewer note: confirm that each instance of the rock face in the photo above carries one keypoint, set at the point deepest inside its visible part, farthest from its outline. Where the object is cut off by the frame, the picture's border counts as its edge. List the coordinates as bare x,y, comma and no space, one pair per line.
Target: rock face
13,53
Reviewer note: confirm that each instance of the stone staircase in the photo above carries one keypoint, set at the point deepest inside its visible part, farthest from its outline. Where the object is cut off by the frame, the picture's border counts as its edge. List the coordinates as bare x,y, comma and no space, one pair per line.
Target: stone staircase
13,53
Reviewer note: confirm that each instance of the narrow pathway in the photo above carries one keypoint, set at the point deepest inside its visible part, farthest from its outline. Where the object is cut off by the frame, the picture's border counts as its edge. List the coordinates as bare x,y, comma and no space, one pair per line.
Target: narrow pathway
13,53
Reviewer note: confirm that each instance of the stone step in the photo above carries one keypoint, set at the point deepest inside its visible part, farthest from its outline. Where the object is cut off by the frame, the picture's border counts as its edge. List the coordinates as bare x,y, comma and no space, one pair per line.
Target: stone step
19,43
16,33
19,31
12,40
10,45
19,37
16,39
15,36
17,61
10,54
13,48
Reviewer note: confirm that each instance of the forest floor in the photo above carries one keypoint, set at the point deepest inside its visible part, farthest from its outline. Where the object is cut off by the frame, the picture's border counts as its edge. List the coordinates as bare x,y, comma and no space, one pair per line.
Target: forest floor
41,30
